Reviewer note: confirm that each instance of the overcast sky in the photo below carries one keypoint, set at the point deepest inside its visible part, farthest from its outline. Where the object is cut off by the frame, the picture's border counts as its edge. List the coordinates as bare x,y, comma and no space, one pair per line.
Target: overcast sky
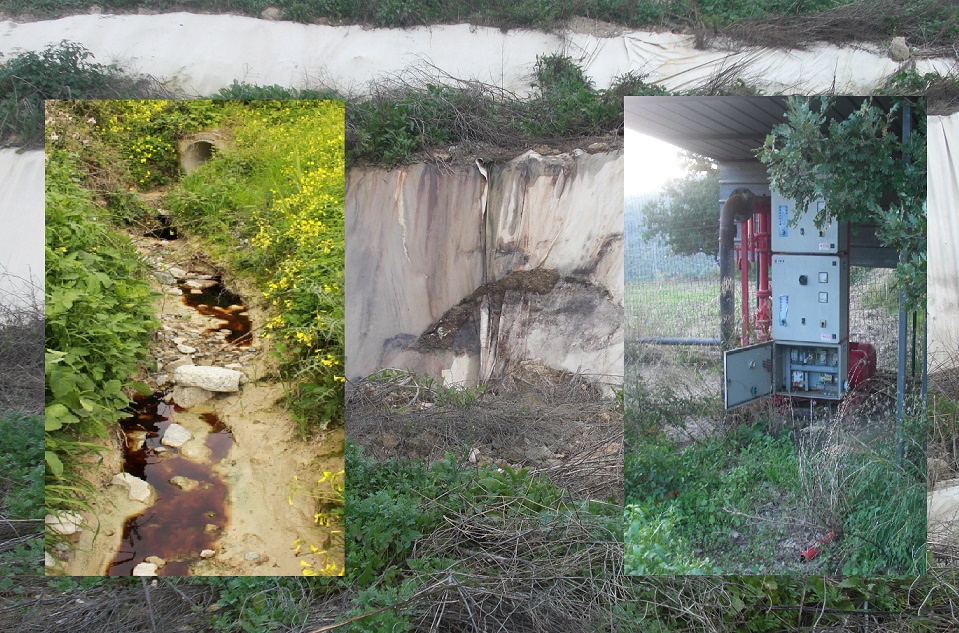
649,163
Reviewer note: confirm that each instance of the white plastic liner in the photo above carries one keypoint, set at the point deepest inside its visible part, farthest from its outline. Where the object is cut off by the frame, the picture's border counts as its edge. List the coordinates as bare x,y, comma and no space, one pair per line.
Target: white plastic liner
204,53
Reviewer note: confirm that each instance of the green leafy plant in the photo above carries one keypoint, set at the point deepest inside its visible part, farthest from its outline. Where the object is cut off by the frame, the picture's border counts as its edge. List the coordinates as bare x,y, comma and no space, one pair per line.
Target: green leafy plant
98,322
865,174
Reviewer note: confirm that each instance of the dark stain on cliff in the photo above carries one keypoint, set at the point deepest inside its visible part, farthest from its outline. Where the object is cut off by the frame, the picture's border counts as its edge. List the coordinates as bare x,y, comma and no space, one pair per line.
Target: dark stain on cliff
458,329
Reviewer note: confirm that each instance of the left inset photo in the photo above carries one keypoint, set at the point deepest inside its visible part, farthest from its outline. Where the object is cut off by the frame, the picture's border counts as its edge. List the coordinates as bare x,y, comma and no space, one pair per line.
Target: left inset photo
194,338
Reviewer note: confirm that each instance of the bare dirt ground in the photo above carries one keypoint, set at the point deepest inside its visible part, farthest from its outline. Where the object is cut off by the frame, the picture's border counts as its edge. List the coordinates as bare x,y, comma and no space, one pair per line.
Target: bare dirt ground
268,468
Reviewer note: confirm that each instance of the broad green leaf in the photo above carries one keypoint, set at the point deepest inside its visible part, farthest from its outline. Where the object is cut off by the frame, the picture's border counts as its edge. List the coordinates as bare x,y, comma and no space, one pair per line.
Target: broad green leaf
56,466
141,388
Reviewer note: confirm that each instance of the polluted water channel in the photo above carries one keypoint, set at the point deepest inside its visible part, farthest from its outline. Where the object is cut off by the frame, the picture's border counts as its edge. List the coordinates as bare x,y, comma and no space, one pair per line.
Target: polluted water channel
191,499
212,299
190,508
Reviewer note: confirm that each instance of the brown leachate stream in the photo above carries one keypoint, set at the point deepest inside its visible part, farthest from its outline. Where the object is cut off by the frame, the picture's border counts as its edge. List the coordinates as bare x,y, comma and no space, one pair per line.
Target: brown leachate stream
179,525
222,304
182,522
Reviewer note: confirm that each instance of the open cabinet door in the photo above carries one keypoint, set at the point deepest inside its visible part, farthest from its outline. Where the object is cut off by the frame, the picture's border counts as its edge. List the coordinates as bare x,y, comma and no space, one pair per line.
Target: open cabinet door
748,374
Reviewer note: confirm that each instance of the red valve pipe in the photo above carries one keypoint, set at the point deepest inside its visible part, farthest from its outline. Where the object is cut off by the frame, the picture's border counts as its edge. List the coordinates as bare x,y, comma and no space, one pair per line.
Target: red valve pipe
813,551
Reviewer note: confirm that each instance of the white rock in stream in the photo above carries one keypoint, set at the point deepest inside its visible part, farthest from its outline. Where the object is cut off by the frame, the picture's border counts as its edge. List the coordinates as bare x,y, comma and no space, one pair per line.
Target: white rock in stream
209,378
137,489
200,284
184,483
145,569
207,553
67,523
176,436
187,397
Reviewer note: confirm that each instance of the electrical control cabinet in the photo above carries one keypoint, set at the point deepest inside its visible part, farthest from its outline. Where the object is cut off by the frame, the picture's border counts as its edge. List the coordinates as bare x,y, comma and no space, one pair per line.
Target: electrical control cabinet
809,278
804,237
810,298
806,370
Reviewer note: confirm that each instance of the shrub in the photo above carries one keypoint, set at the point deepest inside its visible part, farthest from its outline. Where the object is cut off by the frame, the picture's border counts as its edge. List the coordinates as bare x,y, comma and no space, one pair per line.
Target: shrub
99,316
60,71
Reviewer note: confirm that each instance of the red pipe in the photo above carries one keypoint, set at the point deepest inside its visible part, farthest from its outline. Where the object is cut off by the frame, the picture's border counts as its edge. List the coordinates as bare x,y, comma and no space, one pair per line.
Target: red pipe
744,252
813,551
764,256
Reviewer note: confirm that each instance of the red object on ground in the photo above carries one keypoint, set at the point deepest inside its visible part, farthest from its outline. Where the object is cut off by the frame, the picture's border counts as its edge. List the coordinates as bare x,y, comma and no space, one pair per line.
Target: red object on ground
813,551
862,363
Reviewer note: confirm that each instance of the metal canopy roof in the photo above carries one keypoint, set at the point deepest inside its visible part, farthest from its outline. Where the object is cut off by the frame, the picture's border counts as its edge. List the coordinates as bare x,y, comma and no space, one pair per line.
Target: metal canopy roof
722,128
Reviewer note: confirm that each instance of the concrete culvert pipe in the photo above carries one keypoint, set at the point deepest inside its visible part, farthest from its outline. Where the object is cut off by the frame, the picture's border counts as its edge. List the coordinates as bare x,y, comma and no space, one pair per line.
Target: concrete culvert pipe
198,148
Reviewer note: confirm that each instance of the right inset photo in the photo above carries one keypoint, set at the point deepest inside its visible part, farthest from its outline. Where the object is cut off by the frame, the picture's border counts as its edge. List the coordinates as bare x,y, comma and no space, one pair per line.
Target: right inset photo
776,335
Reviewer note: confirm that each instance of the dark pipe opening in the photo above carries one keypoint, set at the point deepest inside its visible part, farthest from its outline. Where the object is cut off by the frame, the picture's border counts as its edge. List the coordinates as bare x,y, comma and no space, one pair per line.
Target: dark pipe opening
197,153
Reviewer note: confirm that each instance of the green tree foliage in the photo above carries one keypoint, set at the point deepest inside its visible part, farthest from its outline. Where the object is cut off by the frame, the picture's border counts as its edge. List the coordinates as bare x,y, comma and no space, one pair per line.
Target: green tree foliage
866,173
686,214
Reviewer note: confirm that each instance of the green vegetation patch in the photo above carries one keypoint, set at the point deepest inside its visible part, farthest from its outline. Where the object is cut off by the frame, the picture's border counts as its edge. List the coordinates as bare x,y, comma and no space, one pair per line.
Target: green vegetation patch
99,319
272,205
60,71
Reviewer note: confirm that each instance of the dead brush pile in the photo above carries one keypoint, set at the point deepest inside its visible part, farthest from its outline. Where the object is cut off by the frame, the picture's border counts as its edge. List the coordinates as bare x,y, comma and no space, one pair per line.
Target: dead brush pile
118,605
21,348
928,25
552,422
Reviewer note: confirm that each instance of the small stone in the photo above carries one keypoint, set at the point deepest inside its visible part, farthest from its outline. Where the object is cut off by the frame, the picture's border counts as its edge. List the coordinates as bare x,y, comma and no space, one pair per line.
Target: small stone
145,569
196,452
188,397
597,147
209,528
48,561
66,524
200,284
196,291
176,436
162,379
156,560
255,557
179,273
207,553
218,379
180,362
136,439
164,277
272,13
186,349
176,292
184,483
474,455
545,150
899,50
137,489
536,453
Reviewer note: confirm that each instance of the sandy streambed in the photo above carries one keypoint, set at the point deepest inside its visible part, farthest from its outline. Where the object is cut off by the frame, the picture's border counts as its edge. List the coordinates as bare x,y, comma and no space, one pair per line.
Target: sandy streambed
264,474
